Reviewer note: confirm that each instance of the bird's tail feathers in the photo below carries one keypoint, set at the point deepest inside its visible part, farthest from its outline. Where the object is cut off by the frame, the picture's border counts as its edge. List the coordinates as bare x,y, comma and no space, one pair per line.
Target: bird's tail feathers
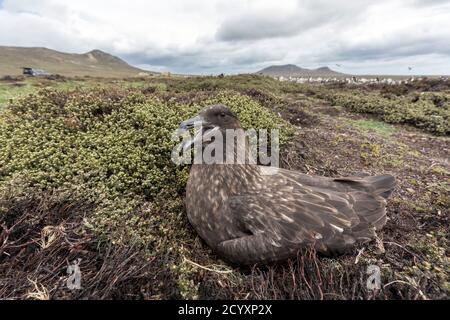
382,185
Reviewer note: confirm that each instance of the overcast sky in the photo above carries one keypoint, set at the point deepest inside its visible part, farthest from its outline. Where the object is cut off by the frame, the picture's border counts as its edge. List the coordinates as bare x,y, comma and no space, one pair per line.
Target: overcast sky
213,36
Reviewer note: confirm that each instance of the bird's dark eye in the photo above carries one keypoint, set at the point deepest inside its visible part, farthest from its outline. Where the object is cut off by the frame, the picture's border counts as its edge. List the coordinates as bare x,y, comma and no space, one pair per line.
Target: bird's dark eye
222,115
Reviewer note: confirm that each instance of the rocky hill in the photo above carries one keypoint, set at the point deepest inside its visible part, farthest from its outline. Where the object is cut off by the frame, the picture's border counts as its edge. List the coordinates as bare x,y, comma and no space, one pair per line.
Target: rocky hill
291,70
94,63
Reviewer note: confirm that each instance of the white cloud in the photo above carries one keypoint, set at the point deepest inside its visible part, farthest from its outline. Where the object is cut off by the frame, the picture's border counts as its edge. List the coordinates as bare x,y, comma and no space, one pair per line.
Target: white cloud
240,36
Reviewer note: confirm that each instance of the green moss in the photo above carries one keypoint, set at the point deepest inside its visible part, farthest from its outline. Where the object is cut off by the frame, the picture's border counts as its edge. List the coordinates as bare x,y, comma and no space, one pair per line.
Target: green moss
440,170
428,111
11,91
370,152
378,127
436,264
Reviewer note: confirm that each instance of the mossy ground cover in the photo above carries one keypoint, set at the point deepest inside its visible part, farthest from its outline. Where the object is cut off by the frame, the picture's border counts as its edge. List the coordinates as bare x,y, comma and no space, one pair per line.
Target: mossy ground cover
85,173
10,91
429,111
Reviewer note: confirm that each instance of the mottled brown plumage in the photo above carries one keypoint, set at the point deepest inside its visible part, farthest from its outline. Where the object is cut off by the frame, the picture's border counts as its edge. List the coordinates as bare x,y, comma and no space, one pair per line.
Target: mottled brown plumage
249,216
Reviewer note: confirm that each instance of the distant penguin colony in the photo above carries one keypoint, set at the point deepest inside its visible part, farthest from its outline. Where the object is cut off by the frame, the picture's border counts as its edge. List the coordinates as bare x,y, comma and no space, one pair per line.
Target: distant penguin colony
249,216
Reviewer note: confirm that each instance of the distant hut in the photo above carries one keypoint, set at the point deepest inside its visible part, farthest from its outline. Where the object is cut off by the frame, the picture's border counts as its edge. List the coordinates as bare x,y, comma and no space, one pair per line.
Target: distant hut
34,72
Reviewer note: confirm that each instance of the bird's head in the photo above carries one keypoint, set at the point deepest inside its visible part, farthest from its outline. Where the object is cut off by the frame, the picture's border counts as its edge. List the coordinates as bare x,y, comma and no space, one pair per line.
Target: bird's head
208,121
214,116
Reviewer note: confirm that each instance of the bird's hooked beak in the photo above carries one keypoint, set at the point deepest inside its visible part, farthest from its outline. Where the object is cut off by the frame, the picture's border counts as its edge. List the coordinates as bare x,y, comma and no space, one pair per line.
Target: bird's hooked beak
190,123
203,131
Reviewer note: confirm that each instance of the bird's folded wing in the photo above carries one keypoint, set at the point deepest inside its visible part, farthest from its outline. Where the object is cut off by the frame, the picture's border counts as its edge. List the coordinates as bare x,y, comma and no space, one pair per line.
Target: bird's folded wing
288,211
279,223
362,182
296,216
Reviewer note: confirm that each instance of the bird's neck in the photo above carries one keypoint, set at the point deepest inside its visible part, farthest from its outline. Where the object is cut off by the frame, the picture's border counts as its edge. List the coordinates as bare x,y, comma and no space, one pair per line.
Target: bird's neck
229,176
226,149
231,164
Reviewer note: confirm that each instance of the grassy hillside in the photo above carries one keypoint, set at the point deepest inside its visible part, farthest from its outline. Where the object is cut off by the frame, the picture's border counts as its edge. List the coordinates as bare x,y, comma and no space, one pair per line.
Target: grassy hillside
85,173
94,63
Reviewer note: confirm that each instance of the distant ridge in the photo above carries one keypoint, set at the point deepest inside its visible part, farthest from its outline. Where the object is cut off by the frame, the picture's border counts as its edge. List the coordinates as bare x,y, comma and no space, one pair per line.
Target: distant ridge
291,70
95,63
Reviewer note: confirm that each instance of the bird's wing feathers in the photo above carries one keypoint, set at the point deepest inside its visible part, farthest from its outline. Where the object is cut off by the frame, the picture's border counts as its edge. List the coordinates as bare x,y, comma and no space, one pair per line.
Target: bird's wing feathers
297,217
280,223
286,214
375,184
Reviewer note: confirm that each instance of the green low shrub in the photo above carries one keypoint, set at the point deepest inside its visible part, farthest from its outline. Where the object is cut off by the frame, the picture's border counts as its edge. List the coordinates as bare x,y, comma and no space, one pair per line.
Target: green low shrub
427,111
